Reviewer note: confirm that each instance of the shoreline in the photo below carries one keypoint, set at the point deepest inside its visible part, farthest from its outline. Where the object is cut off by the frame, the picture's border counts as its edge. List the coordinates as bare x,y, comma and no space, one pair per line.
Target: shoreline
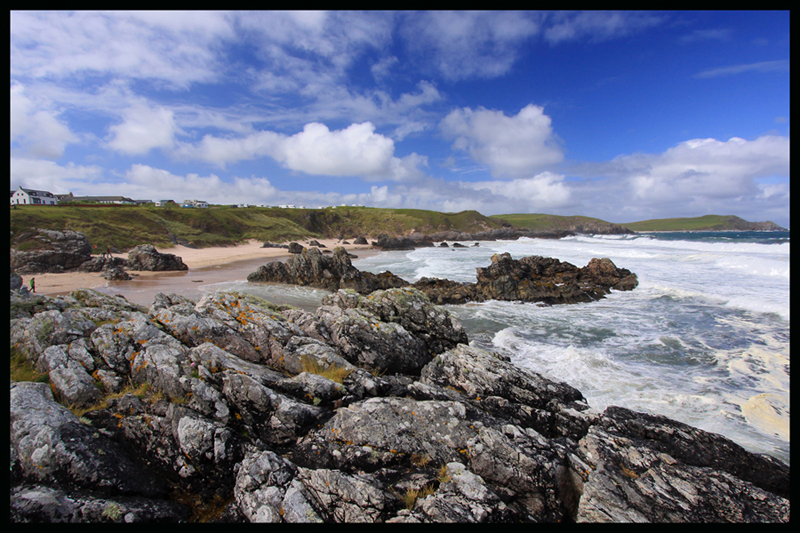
213,263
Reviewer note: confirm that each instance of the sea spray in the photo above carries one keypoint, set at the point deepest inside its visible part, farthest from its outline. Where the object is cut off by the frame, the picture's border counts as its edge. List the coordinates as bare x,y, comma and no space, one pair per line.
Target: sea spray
703,339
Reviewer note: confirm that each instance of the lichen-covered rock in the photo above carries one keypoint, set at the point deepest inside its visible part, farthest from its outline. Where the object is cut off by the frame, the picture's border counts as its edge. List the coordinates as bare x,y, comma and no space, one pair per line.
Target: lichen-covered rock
223,403
50,445
503,389
411,309
633,467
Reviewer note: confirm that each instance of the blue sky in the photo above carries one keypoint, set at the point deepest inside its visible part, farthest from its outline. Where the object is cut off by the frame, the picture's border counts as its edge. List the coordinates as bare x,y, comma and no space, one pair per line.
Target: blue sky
623,116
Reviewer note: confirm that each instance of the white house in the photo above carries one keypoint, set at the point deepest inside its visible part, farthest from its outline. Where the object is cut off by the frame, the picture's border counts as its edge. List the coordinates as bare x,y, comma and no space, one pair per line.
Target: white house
194,203
31,196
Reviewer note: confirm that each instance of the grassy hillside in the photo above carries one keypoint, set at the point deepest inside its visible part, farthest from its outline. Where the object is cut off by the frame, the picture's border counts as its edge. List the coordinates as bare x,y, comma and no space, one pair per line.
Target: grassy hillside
124,227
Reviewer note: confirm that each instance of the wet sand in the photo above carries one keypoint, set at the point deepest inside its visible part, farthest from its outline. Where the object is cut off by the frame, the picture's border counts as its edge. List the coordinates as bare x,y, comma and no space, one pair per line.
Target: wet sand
207,266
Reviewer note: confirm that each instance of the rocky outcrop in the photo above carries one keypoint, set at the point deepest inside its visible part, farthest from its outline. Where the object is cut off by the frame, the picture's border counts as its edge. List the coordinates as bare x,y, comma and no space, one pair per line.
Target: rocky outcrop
100,264
331,272
409,242
145,257
43,251
371,409
548,280
530,279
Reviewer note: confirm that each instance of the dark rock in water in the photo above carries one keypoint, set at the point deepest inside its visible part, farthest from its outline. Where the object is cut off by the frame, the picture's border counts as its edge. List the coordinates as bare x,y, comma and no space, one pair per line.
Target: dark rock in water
532,279
409,242
445,291
116,274
43,251
548,280
330,272
145,257
371,409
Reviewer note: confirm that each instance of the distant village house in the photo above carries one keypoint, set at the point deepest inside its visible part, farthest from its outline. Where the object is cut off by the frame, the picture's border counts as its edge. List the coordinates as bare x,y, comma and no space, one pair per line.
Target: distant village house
32,197
194,203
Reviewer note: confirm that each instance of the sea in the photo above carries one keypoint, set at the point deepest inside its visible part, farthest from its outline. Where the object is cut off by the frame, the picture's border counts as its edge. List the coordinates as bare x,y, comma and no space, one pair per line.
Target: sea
703,339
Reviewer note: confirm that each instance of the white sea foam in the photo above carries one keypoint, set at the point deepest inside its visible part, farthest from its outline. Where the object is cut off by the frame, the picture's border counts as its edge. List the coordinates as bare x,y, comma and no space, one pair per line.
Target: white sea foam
703,339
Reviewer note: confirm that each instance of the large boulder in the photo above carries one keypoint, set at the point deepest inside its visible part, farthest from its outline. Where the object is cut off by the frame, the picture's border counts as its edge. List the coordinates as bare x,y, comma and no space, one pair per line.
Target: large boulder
146,257
331,272
548,280
43,251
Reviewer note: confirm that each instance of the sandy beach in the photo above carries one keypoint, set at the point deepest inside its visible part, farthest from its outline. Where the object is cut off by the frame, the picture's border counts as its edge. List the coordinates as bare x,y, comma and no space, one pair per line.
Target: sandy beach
214,261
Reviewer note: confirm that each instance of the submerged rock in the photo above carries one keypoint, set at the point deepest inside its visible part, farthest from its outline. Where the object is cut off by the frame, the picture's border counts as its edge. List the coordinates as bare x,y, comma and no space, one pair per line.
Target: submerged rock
373,409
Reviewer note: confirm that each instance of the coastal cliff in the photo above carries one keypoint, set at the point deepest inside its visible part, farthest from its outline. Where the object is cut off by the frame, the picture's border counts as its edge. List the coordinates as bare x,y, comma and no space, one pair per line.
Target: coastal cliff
370,409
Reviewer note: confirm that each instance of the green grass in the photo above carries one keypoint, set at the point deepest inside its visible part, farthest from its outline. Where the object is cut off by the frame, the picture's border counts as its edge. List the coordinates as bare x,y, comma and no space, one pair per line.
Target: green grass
124,227
128,226
23,370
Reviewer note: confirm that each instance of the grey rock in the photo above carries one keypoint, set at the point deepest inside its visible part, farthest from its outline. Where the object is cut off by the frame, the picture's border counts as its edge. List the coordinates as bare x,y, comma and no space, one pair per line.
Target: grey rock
50,445
310,267
52,251
224,403
145,257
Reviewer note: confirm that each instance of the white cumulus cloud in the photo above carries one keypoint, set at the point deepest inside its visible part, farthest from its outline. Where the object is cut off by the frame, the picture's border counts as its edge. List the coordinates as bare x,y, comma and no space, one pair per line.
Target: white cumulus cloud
38,131
143,129
515,146
355,150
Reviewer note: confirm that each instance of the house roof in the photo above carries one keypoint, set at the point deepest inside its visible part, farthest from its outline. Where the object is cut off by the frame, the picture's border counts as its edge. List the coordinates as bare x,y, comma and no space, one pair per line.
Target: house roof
103,198
35,192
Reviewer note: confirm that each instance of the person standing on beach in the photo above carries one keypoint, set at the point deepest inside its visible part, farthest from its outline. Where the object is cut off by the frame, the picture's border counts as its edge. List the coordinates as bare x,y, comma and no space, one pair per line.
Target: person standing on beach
33,285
